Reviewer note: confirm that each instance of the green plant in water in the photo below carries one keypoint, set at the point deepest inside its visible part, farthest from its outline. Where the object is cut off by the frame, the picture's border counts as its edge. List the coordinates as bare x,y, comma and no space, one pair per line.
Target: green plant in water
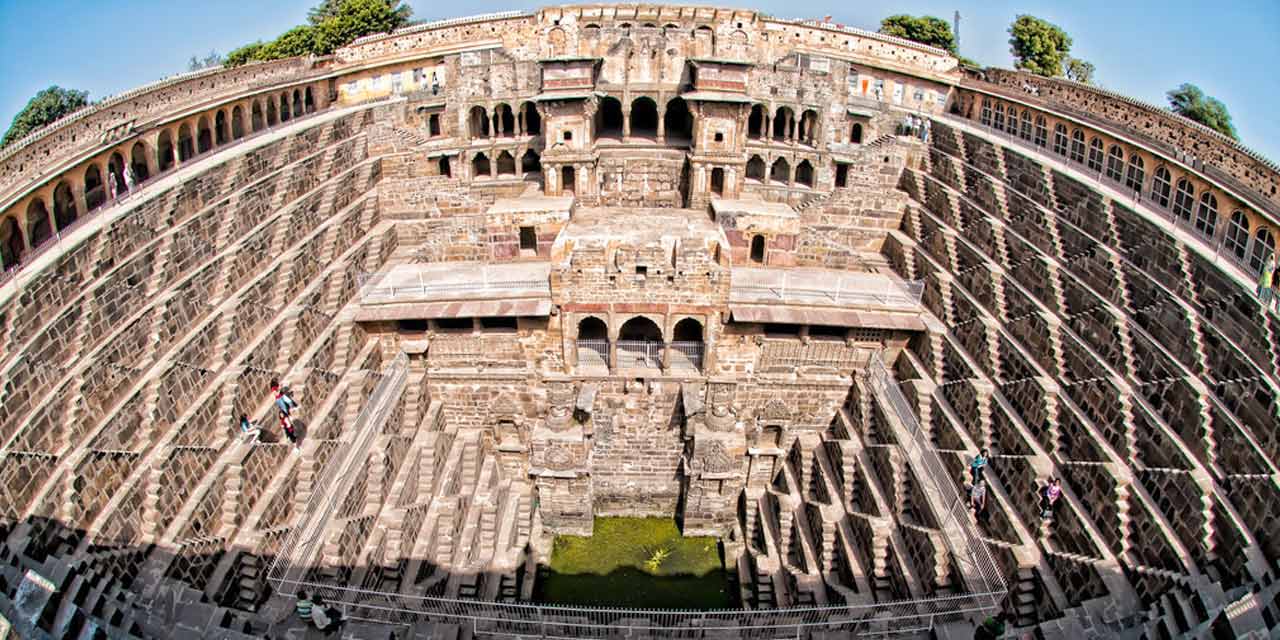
656,558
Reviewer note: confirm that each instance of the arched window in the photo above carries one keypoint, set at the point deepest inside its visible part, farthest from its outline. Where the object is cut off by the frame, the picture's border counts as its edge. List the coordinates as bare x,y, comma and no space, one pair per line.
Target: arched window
94,192
478,122
271,112
998,123
297,103
804,173
677,122
686,345
783,123
755,168
1060,139
506,120
609,118
308,101
1136,176
38,227
1207,215
1115,163
1027,128
11,247
1237,239
717,181
532,120
115,167
64,206
808,127
1042,132
164,151
237,122
480,166
255,117
1095,155
138,162
204,136
644,117
220,131
593,342
1264,246
1160,186
855,136
1184,198
506,164
1077,146
639,344
757,249
755,122
781,171
985,119
186,146
530,162
284,107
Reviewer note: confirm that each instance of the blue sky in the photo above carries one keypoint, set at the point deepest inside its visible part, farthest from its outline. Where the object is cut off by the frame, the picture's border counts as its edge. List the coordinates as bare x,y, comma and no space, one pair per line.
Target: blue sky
1141,48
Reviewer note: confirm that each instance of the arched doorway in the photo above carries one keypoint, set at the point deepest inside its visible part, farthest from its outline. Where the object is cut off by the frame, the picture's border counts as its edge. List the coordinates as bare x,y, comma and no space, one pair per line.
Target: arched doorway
532,121
506,120
756,169
115,167
237,122
640,344
271,113
609,120
64,206
444,167
220,131
186,146
687,345
138,161
480,166
808,133
804,173
255,117
855,136
11,247
204,137
593,343
757,249
506,164
164,151
94,192
781,171
677,122
783,124
478,122
38,228
755,122
644,117
284,107
297,103
717,181
308,101
530,162
567,180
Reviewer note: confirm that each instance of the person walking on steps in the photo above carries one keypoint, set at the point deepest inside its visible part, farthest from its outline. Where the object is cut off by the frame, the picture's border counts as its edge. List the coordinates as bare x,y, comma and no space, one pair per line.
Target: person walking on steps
304,607
248,429
991,629
978,497
1049,497
979,465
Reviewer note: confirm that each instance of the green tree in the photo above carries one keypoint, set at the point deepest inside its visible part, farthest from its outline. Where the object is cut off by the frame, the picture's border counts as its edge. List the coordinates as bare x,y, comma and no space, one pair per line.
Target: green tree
298,41
1079,70
208,62
357,18
1189,101
1038,46
47,106
929,30
331,8
251,52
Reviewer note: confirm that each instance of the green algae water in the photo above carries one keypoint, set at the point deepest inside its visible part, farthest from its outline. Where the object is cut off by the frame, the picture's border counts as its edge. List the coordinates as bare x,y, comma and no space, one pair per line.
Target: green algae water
636,563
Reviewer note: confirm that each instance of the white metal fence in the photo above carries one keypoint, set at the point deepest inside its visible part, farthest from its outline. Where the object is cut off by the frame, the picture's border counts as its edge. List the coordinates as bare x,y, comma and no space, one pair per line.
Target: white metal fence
847,290
373,286
593,353
639,354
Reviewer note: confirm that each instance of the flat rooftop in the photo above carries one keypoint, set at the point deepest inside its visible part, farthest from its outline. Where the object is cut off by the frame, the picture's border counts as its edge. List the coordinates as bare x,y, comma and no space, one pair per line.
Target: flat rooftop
604,227
829,297
457,289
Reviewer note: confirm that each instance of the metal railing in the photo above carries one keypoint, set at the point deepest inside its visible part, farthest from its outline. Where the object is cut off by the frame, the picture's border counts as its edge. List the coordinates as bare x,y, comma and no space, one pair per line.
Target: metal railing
815,353
512,619
962,539
295,550
686,354
639,354
372,289
593,352
880,291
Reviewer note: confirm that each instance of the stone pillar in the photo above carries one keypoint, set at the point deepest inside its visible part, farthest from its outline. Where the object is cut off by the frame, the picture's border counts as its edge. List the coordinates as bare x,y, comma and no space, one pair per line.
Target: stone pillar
493,128
662,126
766,130
626,125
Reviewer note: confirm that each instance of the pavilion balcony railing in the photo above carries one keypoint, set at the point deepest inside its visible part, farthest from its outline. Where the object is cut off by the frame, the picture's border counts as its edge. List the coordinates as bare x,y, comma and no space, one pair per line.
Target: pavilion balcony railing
687,354
639,354
1249,259
371,288
593,353
890,292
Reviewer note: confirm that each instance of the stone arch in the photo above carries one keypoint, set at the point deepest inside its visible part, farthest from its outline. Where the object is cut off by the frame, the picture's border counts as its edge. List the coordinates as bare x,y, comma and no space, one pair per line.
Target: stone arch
592,31
644,117
808,127
64,205
95,192
11,244
138,161
1115,163
1207,215
237,122
164,151
115,169
592,328
1077,146
1161,184
557,42
1027,129
532,120
677,122
255,116
704,40
271,113
1042,132
1237,236
640,329
783,123
38,227
780,171
717,181
308,100
530,162
506,164
855,135
687,330
998,121
1136,175
755,168
758,249
1184,197
506,120
1095,155
755,122
297,102
609,118
478,122
804,173
186,144
1264,246
204,135
479,166
284,107
1060,139
221,133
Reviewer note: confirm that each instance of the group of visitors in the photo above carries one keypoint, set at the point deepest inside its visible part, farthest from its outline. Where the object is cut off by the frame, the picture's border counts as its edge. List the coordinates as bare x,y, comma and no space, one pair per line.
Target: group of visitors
1269,285
1049,493
915,126
285,404
326,619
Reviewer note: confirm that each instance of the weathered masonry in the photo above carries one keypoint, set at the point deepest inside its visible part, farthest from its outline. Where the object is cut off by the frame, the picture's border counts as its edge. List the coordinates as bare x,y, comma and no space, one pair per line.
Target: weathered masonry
779,280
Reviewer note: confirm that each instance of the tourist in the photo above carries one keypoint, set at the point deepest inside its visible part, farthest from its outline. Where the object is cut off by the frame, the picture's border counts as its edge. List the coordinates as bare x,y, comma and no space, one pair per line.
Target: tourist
978,496
1264,283
111,183
129,180
1275,285
284,402
325,618
991,628
286,425
304,607
248,429
1049,497
924,135
978,466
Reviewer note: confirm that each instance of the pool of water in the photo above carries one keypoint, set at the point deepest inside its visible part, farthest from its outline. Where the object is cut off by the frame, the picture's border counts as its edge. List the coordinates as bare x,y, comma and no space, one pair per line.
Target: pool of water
636,562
